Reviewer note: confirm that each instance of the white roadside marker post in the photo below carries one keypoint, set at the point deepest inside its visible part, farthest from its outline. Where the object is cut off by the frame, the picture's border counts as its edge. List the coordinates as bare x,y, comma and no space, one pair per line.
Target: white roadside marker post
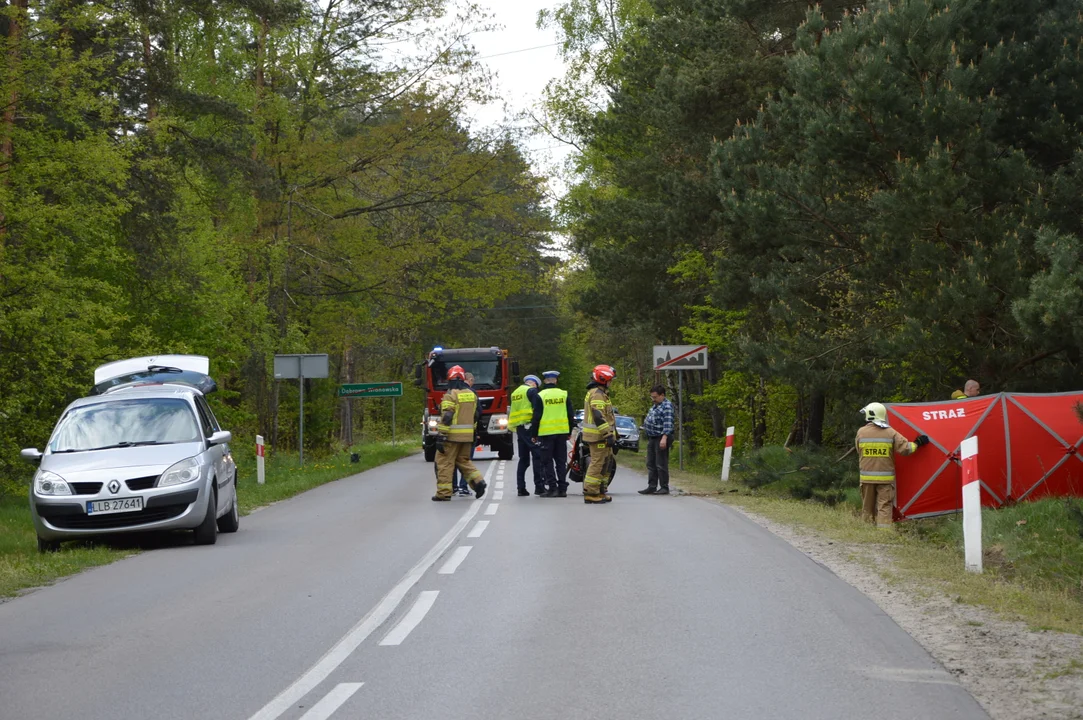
727,455
971,505
260,472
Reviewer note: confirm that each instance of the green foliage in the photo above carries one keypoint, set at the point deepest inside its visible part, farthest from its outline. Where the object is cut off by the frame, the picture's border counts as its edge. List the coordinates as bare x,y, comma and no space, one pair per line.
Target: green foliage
871,201
244,179
803,473
887,211
1039,543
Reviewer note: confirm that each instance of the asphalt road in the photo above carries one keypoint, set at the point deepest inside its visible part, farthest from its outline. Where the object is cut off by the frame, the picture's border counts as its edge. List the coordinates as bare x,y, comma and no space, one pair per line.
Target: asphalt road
360,599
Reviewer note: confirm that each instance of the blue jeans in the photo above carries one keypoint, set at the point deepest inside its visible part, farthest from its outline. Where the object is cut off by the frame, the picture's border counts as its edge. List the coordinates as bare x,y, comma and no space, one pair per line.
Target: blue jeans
458,482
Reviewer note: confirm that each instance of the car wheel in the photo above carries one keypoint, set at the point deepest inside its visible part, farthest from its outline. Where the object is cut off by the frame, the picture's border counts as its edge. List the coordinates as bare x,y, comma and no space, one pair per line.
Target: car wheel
430,454
207,532
48,546
229,522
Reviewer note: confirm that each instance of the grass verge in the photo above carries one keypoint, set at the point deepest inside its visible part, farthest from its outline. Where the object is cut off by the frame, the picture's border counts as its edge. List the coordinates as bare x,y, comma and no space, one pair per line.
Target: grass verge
22,566
1033,552
286,478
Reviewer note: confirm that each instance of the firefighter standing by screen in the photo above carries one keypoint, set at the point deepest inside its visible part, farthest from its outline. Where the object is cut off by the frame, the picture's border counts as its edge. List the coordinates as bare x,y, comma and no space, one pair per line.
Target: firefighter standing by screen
599,431
877,444
456,431
551,424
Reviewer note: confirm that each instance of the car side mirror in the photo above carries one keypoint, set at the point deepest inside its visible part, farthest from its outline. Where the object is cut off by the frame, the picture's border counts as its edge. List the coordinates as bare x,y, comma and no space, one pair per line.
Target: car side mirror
31,455
418,377
220,438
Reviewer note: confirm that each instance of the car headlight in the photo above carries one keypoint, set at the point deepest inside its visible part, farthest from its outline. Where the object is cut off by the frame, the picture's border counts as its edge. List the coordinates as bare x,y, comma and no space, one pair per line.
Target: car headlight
49,483
179,473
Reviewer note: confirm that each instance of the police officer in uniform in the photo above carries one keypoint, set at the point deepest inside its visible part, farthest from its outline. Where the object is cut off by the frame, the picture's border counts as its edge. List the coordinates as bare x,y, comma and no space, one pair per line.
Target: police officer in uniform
599,431
519,420
551,424
877,445
456,430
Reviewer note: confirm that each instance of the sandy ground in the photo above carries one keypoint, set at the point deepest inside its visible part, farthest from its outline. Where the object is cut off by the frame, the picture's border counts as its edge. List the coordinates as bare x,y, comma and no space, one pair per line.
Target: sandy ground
1014,672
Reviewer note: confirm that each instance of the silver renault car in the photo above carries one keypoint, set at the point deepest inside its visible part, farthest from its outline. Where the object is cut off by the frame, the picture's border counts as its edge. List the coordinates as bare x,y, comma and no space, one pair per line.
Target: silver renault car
143,452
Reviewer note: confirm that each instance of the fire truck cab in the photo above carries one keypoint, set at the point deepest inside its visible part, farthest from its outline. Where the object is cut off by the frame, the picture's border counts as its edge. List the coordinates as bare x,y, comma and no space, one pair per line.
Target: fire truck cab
495,376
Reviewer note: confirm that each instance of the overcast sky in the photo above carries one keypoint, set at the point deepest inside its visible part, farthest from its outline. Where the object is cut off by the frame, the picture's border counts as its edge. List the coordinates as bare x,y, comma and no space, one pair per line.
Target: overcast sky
521,72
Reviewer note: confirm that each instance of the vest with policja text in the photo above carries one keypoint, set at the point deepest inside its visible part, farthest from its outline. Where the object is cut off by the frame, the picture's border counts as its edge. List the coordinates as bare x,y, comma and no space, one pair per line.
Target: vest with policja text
554,419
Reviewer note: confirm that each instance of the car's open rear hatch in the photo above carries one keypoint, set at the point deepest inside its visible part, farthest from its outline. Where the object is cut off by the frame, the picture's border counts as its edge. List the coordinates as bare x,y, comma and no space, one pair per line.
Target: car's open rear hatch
190,370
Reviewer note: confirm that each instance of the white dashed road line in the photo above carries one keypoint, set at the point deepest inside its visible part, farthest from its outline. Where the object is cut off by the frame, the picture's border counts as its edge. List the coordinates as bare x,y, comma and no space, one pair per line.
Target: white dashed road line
376,617
491,510
332,701
498,495
455,560
479,528
412,619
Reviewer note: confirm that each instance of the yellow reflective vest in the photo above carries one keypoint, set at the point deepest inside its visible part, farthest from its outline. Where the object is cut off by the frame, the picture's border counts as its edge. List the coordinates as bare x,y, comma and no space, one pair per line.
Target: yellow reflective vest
521,410
597,399
554,419
463,402
876,451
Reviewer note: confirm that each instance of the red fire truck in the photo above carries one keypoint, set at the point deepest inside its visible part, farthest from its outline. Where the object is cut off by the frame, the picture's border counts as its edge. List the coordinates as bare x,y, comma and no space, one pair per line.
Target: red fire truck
495,376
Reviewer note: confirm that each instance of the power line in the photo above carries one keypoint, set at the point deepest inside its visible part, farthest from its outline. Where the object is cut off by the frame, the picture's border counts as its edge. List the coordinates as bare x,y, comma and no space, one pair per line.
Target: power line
521,307
513,52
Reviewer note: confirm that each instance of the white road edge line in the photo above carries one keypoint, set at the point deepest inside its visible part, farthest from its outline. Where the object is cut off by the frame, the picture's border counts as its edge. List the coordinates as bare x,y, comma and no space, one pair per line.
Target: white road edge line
332,701
412,619
455,560
479,528
376,617
491,510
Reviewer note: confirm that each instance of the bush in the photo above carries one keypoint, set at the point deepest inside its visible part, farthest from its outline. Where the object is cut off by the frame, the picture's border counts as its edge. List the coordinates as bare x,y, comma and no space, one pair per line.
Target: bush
805,472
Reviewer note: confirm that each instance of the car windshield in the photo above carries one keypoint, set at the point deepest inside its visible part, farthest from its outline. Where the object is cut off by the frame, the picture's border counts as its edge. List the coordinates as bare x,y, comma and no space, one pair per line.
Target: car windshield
626,422
486,372
125,423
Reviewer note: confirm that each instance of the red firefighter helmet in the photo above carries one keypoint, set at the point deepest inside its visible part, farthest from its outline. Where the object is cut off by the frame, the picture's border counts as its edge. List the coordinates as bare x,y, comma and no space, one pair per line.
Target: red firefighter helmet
603,374
456,372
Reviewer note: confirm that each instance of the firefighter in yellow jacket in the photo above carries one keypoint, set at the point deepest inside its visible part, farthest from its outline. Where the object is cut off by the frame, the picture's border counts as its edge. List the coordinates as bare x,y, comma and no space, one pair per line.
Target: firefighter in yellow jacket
599,432
456,430
877,445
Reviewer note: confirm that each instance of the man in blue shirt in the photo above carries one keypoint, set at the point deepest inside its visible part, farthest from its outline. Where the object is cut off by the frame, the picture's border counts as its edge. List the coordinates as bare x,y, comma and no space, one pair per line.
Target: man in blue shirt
658,427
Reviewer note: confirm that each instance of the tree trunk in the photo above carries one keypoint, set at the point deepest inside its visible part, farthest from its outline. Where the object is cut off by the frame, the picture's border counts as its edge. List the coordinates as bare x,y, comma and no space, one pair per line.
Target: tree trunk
816,413
148,68
800,423
261,59
718,419
759,415
11,102
346,432
210,41
274,415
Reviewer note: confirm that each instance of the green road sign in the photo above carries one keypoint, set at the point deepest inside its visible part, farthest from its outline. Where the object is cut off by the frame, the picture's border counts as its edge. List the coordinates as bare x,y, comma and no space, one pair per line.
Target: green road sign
382,389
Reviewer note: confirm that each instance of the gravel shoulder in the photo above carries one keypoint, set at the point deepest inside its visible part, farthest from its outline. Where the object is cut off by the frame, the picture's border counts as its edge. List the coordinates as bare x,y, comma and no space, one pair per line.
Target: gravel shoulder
1014,671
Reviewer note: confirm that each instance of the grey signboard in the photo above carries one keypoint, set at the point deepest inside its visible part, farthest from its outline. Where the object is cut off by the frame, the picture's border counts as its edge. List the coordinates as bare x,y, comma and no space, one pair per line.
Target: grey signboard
293,367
